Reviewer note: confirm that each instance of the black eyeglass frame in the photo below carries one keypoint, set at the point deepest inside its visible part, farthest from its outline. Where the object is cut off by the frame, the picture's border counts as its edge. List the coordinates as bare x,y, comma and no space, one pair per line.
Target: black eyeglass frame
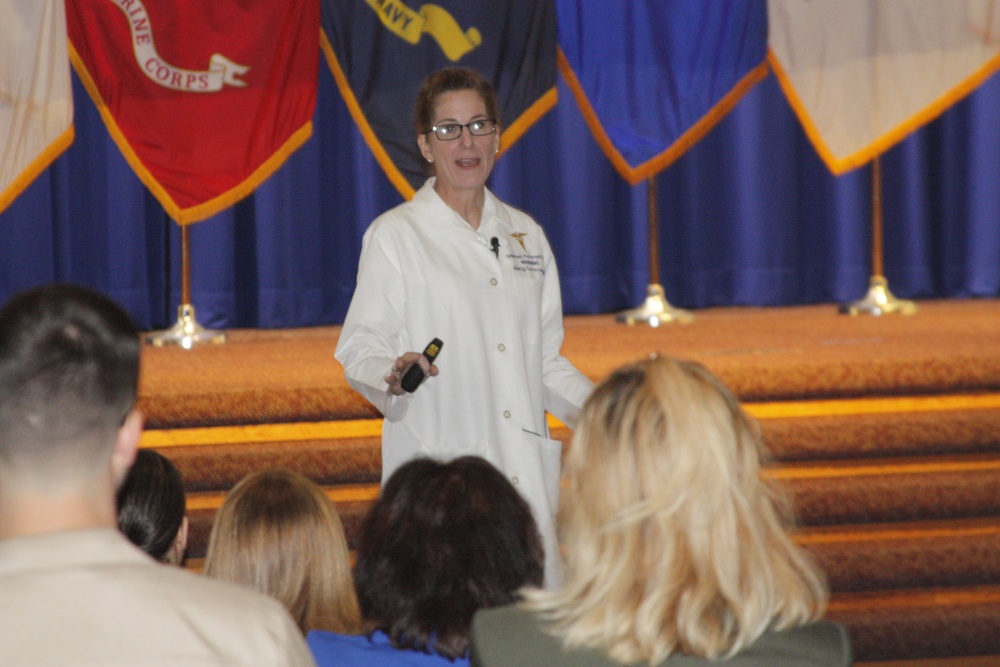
462,128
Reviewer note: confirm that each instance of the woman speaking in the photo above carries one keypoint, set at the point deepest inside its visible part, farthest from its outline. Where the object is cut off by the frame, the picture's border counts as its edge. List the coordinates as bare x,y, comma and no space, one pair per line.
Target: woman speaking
457,264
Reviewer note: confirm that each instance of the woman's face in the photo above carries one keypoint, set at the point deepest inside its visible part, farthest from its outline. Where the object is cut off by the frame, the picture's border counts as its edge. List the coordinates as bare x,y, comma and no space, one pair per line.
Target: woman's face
464,163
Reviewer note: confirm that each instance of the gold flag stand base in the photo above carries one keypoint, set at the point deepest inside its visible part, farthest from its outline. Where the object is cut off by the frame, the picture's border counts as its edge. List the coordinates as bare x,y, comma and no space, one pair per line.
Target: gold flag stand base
879,301
186,333
655,310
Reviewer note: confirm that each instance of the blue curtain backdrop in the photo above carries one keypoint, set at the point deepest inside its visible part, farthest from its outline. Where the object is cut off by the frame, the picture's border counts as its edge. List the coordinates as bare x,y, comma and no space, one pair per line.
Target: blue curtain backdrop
750,216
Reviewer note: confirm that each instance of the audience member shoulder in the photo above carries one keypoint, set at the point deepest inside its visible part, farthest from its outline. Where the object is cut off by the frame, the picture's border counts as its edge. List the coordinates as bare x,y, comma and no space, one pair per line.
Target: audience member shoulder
236,615
821,644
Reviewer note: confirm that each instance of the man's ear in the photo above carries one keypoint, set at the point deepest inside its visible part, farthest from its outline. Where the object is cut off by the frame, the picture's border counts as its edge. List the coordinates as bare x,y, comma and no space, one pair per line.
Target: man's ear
126,445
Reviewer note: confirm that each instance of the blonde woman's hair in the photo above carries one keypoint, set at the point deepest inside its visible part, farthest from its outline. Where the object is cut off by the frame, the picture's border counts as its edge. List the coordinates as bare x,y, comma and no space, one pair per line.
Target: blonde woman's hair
279,533
673,543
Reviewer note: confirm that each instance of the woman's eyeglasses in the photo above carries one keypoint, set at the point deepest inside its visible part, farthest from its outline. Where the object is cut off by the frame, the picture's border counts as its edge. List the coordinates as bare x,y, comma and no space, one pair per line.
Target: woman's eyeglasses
477,128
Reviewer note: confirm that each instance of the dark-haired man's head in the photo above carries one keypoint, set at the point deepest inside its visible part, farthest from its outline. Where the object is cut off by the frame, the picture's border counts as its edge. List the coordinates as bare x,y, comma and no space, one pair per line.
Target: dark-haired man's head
69,369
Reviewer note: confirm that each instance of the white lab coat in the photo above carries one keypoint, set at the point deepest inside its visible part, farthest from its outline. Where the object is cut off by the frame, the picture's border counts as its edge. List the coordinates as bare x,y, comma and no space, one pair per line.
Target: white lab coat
425,273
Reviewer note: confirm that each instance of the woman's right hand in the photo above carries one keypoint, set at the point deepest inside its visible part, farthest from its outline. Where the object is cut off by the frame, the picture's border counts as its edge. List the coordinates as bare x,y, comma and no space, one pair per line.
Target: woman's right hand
401,365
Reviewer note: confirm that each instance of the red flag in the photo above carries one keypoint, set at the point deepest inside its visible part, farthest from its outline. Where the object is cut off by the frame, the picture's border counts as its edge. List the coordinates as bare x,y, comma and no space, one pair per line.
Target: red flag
204,99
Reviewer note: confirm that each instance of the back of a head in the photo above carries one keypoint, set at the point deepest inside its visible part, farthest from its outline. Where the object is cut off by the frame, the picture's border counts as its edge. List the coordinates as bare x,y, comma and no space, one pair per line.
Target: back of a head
69,369
151,505
664,496
442,541
279,533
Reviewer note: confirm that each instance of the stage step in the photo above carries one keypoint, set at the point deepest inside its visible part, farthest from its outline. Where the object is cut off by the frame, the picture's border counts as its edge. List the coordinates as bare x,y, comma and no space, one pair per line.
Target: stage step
880,428
349,451
920,554
897,489
898,499
930,623
826,493
855,557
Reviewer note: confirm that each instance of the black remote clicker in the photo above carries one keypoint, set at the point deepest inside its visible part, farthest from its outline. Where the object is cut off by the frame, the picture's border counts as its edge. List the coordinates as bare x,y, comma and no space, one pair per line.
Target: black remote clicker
415,375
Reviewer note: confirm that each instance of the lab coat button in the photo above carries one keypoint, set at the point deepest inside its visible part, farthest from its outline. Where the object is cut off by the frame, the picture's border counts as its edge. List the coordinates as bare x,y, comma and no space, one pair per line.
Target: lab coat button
514,480
502,347
506,414
493,281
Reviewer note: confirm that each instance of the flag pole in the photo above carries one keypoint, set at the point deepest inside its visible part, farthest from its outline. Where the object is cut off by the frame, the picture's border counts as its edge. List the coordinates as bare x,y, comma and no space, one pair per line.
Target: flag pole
655,310
879,300
186,332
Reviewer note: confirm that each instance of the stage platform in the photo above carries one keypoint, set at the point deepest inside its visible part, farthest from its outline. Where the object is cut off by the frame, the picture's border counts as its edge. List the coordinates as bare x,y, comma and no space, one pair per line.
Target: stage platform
886,428
763,354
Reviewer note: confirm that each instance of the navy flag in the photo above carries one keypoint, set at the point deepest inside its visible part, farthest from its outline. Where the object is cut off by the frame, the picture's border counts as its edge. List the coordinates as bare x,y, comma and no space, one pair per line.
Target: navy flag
380,51
652,77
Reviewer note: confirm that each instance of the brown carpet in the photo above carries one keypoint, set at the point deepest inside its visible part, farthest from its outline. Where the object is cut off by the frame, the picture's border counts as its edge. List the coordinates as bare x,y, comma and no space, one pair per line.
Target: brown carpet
774,354
886,430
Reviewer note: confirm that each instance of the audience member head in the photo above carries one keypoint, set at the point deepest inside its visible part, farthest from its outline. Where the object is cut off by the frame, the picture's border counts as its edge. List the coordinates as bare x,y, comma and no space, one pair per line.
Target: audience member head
442,541
152,509
672,541
69,368
279,533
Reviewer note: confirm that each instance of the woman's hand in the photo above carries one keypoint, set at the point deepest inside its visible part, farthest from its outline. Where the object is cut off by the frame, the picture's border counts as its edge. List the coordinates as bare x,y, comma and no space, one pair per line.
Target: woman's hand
401,365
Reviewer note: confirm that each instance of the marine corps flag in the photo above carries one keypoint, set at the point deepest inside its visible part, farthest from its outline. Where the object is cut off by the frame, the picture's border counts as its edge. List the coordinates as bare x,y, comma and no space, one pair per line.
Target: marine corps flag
204,99
381,50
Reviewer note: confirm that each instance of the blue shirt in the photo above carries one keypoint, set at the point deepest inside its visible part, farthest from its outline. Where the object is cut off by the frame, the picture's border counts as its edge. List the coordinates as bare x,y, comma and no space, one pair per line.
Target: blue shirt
330,648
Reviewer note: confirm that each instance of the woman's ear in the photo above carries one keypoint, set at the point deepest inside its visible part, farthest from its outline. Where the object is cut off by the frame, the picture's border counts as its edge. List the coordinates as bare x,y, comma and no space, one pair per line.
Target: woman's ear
425,148
176,554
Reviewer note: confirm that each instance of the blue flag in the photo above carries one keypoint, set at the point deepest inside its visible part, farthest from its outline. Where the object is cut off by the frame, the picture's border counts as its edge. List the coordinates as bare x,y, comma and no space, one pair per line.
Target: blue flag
380,51
652,77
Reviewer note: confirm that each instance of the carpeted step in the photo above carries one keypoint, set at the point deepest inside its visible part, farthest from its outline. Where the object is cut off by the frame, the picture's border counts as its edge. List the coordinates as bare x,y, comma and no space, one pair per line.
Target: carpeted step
897,489
881,428
349,451
776,354
924,554
935,623
825,492
329,462
856,557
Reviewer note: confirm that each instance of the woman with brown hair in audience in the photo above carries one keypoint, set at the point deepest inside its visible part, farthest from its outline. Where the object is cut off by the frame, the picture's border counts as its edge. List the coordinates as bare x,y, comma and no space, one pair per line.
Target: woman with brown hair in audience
676,552
443,540
152,510
279,533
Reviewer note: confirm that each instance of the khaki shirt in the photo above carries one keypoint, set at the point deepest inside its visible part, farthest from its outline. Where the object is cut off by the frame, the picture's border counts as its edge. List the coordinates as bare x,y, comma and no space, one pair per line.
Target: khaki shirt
89,597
